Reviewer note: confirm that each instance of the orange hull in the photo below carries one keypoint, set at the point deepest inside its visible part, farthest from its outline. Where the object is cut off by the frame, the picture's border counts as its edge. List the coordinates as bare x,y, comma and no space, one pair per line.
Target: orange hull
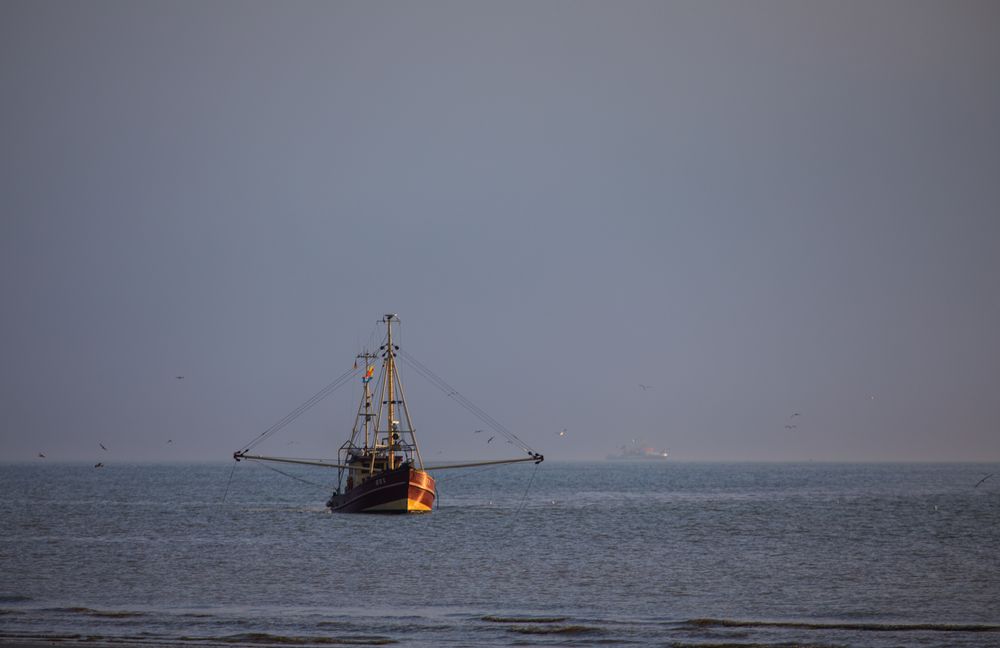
403,490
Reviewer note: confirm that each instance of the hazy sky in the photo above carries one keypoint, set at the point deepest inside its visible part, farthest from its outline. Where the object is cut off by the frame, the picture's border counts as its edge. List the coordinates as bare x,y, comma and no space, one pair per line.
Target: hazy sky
756,208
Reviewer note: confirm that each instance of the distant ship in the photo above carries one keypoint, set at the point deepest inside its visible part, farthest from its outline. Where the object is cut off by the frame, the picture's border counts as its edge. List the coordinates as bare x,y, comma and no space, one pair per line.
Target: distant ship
379,466
635,452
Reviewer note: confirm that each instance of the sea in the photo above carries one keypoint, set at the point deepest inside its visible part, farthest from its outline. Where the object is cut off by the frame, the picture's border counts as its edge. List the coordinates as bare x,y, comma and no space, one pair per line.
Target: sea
560,554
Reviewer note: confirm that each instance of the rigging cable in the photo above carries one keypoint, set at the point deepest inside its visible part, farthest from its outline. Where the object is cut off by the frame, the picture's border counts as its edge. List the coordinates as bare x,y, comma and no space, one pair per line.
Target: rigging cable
282,472
453,393
301,409
228,482
524,498
468,473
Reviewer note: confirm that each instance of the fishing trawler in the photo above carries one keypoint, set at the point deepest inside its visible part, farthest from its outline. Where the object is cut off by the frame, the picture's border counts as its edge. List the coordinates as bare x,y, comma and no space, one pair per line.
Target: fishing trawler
636,452
379,467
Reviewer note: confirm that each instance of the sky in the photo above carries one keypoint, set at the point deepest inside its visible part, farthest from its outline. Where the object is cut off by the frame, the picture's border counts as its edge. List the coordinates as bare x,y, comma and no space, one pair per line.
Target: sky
754,209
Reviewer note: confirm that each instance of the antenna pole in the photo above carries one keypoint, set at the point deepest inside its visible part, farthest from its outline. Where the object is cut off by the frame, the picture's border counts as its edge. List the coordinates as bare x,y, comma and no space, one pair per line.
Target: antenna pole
367,358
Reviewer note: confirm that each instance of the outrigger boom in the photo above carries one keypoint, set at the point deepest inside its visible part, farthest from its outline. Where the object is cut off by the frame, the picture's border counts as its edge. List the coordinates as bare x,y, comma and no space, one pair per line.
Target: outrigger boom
238,455
535,457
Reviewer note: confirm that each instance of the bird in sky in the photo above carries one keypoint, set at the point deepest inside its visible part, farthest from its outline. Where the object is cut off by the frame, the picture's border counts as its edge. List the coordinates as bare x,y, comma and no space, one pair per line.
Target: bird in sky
563,432
179,377
477,431
170,440
41,455
102,447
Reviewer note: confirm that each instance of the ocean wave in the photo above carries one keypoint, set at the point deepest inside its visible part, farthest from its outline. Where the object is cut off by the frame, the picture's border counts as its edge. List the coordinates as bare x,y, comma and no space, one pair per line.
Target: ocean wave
556,630
41,637
265,638
14,598
838,625
523,619
746,645
113,614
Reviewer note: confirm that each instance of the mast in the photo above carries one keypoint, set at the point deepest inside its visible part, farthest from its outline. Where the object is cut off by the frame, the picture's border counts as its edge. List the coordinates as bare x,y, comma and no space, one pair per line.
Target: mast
389,372
368,407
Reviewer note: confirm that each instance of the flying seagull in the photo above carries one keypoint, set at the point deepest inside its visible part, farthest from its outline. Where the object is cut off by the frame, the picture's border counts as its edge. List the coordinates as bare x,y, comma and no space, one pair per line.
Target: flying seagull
179,377
982,480
41,455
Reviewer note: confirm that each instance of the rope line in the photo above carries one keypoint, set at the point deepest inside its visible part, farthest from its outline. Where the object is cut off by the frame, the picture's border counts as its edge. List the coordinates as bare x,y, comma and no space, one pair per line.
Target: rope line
295,477
228,482
454,394
524,498
470,473
303,408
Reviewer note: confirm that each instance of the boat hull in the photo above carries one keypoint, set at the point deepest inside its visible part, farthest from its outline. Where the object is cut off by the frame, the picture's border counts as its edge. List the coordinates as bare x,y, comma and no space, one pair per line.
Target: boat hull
404,490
